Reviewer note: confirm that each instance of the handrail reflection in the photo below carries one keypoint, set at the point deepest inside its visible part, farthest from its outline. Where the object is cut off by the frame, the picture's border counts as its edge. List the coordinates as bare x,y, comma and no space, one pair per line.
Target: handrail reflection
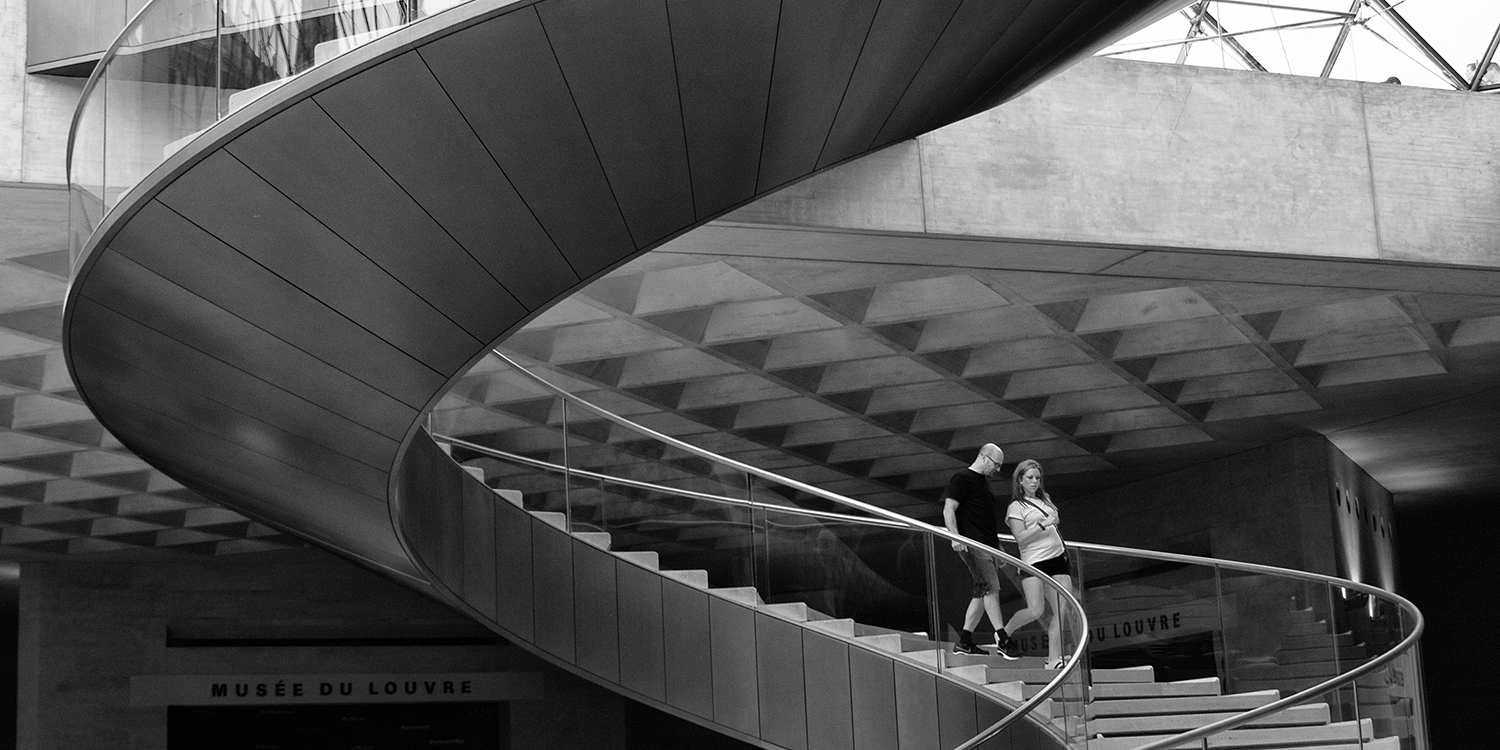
1074,660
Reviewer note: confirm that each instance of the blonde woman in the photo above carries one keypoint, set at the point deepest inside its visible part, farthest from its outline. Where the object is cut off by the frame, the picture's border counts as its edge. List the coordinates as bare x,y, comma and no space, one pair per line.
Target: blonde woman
1033,519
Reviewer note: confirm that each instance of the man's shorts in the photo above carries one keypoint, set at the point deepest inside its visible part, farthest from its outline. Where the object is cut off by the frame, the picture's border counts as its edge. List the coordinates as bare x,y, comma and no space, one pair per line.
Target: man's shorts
983,570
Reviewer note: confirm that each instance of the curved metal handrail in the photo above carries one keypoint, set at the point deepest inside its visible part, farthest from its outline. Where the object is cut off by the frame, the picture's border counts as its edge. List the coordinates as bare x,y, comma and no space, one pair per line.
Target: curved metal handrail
889,518
1074,660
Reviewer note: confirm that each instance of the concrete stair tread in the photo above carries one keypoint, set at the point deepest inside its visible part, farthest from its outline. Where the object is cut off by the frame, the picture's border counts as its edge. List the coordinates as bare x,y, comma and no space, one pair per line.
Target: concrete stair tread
1182,705
698,579
1124,690
1295,716
840,626
513,497
746,595
552,518
647,559
794,611
600,539
1303,738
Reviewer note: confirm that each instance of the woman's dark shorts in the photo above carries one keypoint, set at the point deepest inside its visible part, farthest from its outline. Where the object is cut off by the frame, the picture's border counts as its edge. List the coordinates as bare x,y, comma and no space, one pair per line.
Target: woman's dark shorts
1055,566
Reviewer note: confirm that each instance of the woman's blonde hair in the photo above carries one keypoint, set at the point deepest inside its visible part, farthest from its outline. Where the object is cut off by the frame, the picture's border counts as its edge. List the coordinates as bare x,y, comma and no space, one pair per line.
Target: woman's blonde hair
1016,493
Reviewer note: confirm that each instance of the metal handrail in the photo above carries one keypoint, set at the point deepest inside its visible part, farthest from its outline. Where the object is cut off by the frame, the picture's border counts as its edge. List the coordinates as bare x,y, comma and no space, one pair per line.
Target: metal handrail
1074,660
895,519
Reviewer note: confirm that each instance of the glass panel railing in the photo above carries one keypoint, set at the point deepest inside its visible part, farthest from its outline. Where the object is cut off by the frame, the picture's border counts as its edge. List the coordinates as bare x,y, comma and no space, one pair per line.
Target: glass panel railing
865,572
182,65
1294,647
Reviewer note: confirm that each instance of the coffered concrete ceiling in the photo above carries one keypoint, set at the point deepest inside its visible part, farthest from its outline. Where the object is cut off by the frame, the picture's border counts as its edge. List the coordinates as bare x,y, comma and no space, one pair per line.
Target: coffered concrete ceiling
880,378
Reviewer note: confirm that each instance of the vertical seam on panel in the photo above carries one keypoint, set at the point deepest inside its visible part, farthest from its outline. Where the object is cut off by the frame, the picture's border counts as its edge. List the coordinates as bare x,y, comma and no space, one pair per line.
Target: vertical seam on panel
687,153
765,123
844,95
586,131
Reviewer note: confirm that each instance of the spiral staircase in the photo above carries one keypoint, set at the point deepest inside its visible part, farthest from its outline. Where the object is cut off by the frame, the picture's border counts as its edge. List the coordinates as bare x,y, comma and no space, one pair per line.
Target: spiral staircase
248,314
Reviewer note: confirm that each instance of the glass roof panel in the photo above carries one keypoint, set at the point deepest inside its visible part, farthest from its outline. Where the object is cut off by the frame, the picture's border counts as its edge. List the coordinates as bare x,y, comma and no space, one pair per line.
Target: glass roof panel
1429,43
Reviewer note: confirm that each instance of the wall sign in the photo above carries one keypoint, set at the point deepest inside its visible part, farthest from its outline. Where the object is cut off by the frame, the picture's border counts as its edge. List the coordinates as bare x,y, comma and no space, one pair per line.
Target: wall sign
285,689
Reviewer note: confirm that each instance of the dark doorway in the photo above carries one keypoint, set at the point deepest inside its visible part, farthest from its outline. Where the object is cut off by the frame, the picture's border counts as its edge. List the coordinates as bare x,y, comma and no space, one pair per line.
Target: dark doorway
366,726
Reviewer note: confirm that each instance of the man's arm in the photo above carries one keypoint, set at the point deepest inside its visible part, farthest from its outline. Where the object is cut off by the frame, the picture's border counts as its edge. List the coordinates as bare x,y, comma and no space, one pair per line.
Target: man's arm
950,520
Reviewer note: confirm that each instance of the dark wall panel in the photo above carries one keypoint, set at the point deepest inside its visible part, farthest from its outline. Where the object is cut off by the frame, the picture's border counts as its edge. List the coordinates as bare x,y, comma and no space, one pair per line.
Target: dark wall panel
552,574
513,567
617,58
642,652
873,683
957,718
689,661
971,33
479,546
502,76
916,708
312,161
814,35
736,702
830,709
428,148
783,699
901,38
170,246
596,611
213,418
987,714
187,368
230,202
723,47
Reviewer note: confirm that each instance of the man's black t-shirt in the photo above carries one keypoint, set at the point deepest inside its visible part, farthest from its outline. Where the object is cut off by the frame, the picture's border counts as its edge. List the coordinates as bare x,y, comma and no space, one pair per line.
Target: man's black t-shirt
976,505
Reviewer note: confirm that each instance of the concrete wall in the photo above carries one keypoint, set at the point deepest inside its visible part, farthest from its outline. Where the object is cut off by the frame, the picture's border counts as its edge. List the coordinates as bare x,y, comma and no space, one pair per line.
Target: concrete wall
1169,156
35,110
88,627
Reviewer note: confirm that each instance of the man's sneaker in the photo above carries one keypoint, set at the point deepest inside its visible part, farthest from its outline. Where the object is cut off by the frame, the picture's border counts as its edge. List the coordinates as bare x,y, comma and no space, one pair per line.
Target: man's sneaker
970,649
1006,647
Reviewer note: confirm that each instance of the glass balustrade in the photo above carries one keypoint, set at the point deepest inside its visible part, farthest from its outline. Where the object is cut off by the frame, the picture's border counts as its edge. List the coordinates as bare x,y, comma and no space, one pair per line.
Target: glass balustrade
897,583
182,65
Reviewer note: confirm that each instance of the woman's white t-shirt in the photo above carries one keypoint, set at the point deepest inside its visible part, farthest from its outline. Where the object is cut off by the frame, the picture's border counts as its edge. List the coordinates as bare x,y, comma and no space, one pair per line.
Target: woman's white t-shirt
1039,540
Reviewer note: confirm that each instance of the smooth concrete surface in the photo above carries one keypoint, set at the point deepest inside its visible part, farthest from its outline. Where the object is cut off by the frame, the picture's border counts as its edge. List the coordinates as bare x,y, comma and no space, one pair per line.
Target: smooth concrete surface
1175,157
35,111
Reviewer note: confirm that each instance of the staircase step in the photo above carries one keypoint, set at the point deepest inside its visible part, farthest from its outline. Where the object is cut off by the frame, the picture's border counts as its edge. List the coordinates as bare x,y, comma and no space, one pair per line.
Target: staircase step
842,626
927,657
513,497
885,641
975,673
746,595
698,579
648,560
553,519
1034,675
1309,628
1237,703
1319,639
600,539
1121,690
1320,654
1293,671
1324,737
794,611
475,471
1296,716
1128,674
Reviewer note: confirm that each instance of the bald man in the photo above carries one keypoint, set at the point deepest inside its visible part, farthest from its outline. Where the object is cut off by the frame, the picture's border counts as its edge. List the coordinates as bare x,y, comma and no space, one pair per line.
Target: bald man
969,511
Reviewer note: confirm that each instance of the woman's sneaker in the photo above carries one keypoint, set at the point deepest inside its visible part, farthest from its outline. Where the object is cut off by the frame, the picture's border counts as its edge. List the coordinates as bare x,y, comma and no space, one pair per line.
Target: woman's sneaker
1006,647
970,649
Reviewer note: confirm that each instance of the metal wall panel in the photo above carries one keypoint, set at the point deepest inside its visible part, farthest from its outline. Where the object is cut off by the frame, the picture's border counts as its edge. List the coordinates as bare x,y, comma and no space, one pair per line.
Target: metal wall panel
821,35
971,33
187,367
164,242
642,651
552,571
830,709
872,681
479,546
312,161
723,47
617,58
435,156
596,611
783,698
514,608
689,660
736,701
916,708
987,713
957,717
902,36
505,81
227,199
